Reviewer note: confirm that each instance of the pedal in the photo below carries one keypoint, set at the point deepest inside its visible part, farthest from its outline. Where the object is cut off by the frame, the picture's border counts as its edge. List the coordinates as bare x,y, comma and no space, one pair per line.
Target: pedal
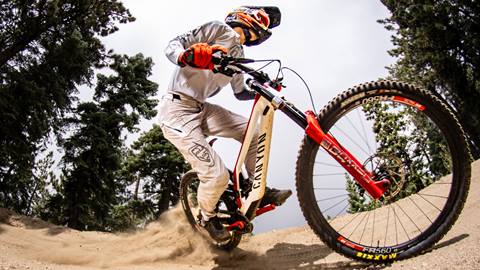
241,226
237,226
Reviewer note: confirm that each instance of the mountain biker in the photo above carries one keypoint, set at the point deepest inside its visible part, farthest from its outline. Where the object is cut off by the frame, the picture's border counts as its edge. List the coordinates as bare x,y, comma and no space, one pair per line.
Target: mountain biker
186,118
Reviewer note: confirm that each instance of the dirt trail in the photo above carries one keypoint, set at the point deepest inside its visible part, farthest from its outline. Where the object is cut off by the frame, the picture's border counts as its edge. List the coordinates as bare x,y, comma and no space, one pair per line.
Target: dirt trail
170,244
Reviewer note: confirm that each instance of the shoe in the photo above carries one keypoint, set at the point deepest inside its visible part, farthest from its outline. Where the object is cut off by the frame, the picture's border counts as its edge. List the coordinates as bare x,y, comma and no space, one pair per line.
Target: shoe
275,196
215,229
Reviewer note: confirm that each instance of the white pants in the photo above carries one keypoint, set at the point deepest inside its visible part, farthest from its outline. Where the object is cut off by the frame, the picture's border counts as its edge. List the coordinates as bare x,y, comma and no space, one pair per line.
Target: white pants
186,123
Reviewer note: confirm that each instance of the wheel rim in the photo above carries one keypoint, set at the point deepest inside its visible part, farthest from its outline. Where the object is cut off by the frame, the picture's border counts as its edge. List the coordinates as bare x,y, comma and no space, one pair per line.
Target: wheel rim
401,219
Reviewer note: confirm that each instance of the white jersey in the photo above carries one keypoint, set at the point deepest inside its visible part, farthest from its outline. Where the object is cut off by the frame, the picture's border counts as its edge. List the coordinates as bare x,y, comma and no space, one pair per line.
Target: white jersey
203,83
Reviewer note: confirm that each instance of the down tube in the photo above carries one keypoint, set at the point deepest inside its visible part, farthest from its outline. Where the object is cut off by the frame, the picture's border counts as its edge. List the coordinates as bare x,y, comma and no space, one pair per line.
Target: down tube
261,118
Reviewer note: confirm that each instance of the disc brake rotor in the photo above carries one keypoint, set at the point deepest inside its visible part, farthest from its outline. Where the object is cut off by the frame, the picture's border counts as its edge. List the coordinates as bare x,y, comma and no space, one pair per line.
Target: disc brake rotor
389,167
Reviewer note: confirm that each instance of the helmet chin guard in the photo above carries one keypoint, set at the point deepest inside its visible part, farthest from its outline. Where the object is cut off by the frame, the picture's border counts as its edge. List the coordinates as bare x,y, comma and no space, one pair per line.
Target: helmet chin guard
248,37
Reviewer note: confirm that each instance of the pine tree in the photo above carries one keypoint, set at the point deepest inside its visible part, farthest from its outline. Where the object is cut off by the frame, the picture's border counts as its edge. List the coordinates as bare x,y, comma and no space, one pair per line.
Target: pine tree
437,44
157,166
93,153
47,50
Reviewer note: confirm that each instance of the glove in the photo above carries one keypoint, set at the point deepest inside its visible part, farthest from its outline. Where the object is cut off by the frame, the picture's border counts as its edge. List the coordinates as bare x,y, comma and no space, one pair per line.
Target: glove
199,55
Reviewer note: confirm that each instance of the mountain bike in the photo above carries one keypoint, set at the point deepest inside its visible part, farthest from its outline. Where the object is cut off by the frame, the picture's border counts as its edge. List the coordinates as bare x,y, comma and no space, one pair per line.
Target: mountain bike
382,173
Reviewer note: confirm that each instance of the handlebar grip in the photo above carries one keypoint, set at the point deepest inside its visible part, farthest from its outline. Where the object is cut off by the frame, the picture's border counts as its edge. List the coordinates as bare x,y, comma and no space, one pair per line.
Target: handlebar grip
216,60
226,60
244,60
230,66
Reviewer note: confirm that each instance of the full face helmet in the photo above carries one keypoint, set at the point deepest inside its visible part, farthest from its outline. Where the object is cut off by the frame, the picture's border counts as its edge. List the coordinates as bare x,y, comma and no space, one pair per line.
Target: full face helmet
259,19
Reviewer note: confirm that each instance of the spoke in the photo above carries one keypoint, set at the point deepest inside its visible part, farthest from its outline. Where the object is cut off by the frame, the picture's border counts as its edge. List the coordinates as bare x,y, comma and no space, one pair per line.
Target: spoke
352,140
373,227
330,198
355,217
421,210
343,209
364,130
335,205
328,164
364,226
441,183
395,223
364,137
354,229
429,202
386,229
411,220
431,195
401,224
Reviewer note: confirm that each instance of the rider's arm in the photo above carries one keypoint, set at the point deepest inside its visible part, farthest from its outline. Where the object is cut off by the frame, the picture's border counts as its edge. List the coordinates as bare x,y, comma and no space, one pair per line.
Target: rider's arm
240,89
206,33
245,94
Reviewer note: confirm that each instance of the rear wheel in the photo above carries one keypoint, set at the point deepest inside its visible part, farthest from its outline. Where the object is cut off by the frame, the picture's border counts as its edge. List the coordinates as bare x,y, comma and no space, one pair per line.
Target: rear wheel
400,133
188,196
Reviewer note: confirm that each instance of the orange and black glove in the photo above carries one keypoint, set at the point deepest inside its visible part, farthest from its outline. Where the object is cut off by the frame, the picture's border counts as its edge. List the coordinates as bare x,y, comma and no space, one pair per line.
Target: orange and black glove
199,55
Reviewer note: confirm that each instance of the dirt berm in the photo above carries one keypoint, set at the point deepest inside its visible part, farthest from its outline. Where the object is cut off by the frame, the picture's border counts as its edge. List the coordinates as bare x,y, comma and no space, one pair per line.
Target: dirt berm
27,243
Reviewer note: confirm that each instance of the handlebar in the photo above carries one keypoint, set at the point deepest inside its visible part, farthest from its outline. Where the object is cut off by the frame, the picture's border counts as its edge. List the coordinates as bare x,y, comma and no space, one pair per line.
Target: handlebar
230,66
226,60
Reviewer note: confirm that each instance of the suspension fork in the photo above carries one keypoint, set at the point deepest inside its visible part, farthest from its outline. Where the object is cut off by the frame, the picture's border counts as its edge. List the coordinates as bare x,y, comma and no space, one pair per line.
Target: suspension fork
363,177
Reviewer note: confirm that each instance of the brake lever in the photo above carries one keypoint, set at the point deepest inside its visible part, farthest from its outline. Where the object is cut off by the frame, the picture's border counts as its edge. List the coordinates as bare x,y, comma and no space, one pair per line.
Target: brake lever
243,60
225,71
277,84
225,60
218,60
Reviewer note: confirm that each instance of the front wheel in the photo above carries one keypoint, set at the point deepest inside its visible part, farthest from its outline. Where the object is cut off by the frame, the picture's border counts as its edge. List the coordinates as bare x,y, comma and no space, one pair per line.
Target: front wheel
188,196
400,133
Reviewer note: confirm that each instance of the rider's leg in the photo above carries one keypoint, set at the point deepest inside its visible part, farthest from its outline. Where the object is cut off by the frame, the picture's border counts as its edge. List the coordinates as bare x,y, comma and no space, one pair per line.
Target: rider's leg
206,163
219,121
212,174
180,123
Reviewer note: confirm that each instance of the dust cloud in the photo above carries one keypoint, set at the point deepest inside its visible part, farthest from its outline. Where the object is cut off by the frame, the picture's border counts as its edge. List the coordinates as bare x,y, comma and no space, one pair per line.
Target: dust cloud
170,239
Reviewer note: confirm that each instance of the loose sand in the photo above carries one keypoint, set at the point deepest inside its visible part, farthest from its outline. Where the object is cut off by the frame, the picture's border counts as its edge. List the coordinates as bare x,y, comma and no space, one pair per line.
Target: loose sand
27,243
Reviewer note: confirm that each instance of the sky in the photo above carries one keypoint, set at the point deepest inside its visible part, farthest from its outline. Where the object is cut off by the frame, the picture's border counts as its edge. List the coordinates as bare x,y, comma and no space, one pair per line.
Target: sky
333,45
